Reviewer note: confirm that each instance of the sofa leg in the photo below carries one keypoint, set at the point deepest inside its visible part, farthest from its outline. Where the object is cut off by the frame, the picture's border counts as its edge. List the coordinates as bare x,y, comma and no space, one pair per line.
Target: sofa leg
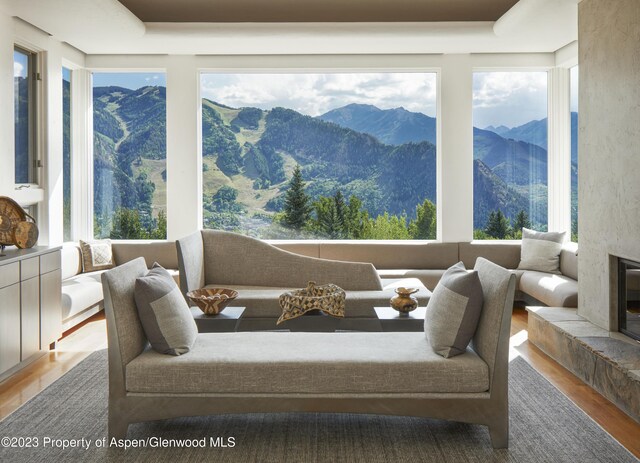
499,433
117,427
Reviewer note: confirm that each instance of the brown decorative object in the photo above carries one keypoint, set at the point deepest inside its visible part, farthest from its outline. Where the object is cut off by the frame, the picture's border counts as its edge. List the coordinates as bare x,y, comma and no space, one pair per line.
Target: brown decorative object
17,228
404,302
326,298
212,301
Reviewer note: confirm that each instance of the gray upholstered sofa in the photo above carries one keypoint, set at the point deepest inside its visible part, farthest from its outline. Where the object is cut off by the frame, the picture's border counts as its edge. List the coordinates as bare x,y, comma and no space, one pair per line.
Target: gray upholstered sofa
378,373
427,261
82,292
261,272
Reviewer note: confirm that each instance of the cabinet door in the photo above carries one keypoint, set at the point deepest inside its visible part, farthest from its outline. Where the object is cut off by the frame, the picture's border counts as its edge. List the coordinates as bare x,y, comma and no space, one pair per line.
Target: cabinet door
30,317
9,327
50,308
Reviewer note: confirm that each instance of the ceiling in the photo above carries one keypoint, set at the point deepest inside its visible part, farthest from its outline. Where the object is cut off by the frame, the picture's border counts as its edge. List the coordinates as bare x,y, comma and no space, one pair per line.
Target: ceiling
283,11
282,27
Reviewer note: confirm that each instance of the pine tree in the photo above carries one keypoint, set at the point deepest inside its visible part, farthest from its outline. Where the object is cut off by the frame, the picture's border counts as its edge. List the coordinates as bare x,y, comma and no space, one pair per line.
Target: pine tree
341,214
497,225
521,221
423,227
297,209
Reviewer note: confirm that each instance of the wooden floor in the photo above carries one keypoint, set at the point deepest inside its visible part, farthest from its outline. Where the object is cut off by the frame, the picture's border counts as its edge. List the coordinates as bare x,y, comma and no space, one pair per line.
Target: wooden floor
91,336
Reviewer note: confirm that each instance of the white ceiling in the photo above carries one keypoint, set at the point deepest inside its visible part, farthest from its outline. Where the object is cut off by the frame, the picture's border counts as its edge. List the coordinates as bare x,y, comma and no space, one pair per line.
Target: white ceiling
107,27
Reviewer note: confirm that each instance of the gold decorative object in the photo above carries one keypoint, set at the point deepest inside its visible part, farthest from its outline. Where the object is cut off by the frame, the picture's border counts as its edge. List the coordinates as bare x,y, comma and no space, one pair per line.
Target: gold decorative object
326,298
17,228
212,301
404,302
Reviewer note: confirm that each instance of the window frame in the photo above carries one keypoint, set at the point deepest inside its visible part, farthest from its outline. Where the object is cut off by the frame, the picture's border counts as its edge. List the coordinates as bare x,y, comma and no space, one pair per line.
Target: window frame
34,97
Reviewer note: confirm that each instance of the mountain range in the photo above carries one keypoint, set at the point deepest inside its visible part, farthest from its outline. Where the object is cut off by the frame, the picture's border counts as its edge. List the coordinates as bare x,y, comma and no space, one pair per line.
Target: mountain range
385,157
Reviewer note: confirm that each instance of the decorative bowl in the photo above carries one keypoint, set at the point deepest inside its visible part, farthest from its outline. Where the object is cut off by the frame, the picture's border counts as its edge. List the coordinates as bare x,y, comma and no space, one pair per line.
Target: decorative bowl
404,302
212,300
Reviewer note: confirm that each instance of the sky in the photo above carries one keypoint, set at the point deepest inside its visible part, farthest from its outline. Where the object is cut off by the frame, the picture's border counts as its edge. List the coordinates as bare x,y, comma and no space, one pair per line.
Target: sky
132,80
315,94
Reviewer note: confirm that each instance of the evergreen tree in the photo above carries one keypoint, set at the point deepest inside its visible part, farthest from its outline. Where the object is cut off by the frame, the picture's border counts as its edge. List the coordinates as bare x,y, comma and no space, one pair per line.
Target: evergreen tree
497,225
296,203
423,227
327,222
341,213
521,221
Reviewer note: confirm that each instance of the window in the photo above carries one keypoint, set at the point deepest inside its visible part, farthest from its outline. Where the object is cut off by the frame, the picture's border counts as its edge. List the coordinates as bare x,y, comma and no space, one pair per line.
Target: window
330,156
66,153
25,75
573,74
129,126
510,153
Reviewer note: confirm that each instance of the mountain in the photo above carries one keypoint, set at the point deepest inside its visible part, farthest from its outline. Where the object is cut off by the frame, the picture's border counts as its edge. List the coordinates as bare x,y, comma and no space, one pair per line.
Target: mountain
501,129
390,126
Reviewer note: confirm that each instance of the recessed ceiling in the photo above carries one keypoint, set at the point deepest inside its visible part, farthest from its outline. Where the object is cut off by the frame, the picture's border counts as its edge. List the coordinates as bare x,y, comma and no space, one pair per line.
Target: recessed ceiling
282,11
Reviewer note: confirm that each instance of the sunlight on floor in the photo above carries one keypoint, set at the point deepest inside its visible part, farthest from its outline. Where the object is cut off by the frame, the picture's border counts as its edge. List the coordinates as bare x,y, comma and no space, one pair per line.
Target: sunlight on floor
516,340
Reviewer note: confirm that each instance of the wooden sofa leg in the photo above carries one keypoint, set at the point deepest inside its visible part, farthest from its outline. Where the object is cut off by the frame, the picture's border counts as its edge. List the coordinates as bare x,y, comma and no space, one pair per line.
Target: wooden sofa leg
499,432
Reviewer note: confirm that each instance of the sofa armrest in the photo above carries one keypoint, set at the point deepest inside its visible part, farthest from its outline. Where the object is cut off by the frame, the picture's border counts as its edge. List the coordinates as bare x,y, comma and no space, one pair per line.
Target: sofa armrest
191,262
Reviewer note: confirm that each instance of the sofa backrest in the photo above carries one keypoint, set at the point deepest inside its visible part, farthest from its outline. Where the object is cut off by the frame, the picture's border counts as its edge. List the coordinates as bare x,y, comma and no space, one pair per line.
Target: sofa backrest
569,260
124,330
162,252
491,340
71,260
390,255
234,259
504,253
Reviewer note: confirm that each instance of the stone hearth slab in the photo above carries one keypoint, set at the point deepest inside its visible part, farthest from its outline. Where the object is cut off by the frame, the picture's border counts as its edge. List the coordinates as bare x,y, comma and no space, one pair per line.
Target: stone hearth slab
609,365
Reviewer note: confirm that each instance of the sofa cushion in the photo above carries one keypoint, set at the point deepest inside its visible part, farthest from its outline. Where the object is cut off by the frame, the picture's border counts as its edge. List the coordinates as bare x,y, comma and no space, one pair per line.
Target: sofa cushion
262,301
71,260
302,363
162,252
81,292
453,311
552,290
428,277
541,251
96,255
505,253
164,314
569,260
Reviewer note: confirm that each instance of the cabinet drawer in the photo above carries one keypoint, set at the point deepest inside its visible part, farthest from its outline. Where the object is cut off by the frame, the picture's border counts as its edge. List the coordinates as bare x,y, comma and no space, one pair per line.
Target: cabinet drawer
50,262
9,274
29,268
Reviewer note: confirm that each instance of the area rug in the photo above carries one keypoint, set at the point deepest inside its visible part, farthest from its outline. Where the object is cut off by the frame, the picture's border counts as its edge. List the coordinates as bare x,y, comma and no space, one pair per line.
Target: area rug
545,427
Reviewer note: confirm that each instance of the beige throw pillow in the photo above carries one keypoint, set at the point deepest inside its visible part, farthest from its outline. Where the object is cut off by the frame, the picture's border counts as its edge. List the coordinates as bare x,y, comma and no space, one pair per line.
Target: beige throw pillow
96,255
541,251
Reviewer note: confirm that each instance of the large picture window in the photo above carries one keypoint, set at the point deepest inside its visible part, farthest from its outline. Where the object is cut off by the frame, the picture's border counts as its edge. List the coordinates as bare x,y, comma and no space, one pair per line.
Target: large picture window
328,156
573,73
25,106
129,125
66,153
510,153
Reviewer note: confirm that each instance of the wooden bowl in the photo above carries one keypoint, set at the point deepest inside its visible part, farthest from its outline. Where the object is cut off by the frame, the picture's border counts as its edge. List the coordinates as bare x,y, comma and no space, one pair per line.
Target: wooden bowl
212,300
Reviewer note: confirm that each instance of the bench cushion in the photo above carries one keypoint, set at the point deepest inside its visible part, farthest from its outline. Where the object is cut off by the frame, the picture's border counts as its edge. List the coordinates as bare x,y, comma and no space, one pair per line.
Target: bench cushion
81,292
552,290
307,363
428,277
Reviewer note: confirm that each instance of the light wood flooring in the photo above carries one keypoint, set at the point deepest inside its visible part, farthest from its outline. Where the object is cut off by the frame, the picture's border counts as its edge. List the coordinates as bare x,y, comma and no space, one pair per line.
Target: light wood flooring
91,336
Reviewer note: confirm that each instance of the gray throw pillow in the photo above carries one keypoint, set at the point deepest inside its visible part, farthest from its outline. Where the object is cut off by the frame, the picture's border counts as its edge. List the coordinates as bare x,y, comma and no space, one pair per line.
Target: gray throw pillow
541,251
453,311
164,314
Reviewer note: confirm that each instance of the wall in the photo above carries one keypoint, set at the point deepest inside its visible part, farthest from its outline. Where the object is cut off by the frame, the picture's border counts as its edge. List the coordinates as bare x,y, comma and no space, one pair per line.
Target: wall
609,148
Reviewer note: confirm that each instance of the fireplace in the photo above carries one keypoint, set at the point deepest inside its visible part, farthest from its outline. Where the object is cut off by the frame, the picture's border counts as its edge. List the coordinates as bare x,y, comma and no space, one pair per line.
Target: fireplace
629,298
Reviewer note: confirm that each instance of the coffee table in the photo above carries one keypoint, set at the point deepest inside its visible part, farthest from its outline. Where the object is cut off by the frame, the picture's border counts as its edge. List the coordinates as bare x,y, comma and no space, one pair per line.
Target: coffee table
226,321
392,320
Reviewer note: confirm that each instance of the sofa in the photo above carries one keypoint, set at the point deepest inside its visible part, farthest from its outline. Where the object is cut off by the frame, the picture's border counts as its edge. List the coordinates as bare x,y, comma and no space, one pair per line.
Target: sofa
377,373
427,261
82,292
261,272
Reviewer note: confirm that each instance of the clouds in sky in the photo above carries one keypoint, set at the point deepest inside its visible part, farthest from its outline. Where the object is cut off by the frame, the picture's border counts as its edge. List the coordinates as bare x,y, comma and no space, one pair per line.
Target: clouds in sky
509,98
315,94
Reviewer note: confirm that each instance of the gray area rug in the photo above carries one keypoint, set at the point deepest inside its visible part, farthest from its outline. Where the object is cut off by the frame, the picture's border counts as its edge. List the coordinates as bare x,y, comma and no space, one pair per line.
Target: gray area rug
545,427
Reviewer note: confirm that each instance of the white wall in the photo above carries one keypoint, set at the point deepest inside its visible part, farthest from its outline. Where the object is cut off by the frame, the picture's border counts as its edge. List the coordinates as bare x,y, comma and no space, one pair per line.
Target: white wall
609,149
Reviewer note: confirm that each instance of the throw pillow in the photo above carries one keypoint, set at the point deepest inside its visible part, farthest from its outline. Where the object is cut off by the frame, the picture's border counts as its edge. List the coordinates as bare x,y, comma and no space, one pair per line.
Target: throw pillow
96,255
541,251
453,311
165,316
